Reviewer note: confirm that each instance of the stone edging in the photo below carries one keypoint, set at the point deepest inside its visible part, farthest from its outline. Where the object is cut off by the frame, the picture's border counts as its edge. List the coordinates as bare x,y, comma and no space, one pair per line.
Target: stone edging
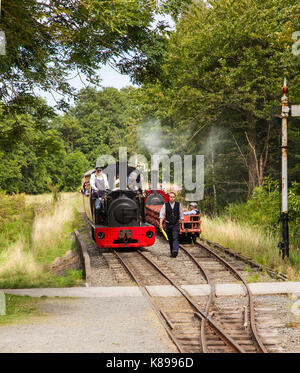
85,258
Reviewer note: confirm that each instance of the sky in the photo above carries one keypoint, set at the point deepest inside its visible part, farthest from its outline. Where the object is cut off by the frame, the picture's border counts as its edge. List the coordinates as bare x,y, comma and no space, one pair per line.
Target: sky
109,76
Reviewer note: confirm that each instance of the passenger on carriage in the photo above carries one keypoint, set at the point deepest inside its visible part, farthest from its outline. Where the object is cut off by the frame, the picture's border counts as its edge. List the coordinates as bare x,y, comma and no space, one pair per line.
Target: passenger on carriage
85,186
193,209
99,184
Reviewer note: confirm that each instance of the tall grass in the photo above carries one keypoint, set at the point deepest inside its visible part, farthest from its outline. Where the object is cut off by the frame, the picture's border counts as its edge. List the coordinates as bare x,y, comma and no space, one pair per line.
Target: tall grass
32,237
52,226
16,259
253,242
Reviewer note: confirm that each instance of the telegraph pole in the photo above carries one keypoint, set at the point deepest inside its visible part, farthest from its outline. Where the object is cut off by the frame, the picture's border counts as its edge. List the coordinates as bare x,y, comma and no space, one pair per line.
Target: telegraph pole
284,245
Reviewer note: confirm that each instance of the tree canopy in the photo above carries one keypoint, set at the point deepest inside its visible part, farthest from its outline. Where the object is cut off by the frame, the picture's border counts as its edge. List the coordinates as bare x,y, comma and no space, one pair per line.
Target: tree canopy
222,73
210,85
48,40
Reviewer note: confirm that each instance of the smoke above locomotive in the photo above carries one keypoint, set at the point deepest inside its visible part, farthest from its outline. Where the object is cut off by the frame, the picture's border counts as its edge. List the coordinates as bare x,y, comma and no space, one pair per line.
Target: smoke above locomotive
186,173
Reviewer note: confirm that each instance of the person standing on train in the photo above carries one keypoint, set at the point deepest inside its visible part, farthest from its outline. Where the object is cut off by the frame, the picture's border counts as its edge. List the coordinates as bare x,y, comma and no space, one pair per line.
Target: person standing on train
173,213
99,184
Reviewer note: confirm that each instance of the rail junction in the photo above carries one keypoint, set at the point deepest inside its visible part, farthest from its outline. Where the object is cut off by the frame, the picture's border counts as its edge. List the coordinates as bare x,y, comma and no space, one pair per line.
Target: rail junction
198,325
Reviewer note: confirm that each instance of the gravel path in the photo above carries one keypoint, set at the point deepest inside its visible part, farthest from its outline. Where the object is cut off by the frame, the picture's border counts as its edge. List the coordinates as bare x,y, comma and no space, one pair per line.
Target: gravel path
111,325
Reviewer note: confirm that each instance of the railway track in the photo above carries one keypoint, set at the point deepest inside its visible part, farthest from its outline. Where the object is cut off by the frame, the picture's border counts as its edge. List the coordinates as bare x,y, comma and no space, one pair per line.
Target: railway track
240,322
196,325
247,260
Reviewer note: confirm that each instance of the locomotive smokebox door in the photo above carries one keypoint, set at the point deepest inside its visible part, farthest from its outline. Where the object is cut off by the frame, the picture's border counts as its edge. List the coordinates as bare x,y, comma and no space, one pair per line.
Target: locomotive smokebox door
123,212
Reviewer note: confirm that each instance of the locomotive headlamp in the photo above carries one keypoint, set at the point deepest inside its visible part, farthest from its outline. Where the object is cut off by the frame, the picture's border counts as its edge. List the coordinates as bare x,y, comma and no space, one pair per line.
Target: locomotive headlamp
149,234
101,235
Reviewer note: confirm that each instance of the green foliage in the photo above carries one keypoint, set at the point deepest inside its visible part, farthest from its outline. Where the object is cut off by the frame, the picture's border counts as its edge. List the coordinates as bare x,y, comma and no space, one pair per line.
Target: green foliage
223,71
75,164
15,219
253,278
30,152
16,227
56,195
48,40
23,281
263,209
11,206
100,122
176,7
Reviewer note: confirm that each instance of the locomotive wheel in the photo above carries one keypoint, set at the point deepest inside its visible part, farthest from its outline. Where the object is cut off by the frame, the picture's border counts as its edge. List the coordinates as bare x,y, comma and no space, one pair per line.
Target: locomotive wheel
93,234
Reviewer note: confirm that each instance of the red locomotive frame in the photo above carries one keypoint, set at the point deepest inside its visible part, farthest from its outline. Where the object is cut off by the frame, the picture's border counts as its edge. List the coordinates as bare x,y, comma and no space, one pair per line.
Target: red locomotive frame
114,237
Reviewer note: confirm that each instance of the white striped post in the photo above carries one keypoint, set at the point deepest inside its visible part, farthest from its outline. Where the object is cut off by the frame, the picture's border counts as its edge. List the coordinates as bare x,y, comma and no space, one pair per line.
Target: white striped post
284,245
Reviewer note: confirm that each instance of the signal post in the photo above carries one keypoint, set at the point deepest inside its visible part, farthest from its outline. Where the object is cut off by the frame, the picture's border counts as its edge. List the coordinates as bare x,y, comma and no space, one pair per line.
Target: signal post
284,245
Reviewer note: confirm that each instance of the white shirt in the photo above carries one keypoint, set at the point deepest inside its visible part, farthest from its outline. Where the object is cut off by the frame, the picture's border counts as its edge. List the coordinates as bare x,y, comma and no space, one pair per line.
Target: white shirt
92,181
162,213
191,212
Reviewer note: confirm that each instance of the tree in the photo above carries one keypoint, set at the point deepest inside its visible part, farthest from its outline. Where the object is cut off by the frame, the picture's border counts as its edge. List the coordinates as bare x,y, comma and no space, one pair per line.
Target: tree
71,132
31,155
46,40
225,66
75,164
105,120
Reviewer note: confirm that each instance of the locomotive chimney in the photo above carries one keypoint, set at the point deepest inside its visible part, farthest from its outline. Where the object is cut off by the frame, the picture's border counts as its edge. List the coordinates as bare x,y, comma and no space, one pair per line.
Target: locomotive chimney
154,179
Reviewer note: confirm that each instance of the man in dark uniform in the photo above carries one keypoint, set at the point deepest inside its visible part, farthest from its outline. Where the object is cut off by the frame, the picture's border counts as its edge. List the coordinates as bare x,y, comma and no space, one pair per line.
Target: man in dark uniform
173,213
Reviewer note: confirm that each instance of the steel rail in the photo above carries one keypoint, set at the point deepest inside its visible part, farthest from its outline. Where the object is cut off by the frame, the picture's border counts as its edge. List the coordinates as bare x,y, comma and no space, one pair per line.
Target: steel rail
251,305
226,338
153,306
247,260
210,298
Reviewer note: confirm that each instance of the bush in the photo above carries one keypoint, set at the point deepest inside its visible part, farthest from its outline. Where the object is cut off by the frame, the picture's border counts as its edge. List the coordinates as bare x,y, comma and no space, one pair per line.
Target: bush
263,209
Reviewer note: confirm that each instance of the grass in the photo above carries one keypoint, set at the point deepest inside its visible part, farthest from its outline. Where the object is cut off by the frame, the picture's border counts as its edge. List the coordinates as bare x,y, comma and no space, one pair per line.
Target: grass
31,238
253,242
253,278
52,229
18,308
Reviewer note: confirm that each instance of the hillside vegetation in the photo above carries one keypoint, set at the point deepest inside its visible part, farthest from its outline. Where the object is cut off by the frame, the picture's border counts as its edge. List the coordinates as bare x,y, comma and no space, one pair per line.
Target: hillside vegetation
33,232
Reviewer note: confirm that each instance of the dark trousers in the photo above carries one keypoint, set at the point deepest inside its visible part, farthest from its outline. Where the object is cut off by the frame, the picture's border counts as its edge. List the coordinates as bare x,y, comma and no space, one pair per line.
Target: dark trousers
99,201
172,231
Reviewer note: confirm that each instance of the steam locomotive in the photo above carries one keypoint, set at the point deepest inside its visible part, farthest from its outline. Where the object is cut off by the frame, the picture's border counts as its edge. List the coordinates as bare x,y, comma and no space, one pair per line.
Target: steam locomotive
120,222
